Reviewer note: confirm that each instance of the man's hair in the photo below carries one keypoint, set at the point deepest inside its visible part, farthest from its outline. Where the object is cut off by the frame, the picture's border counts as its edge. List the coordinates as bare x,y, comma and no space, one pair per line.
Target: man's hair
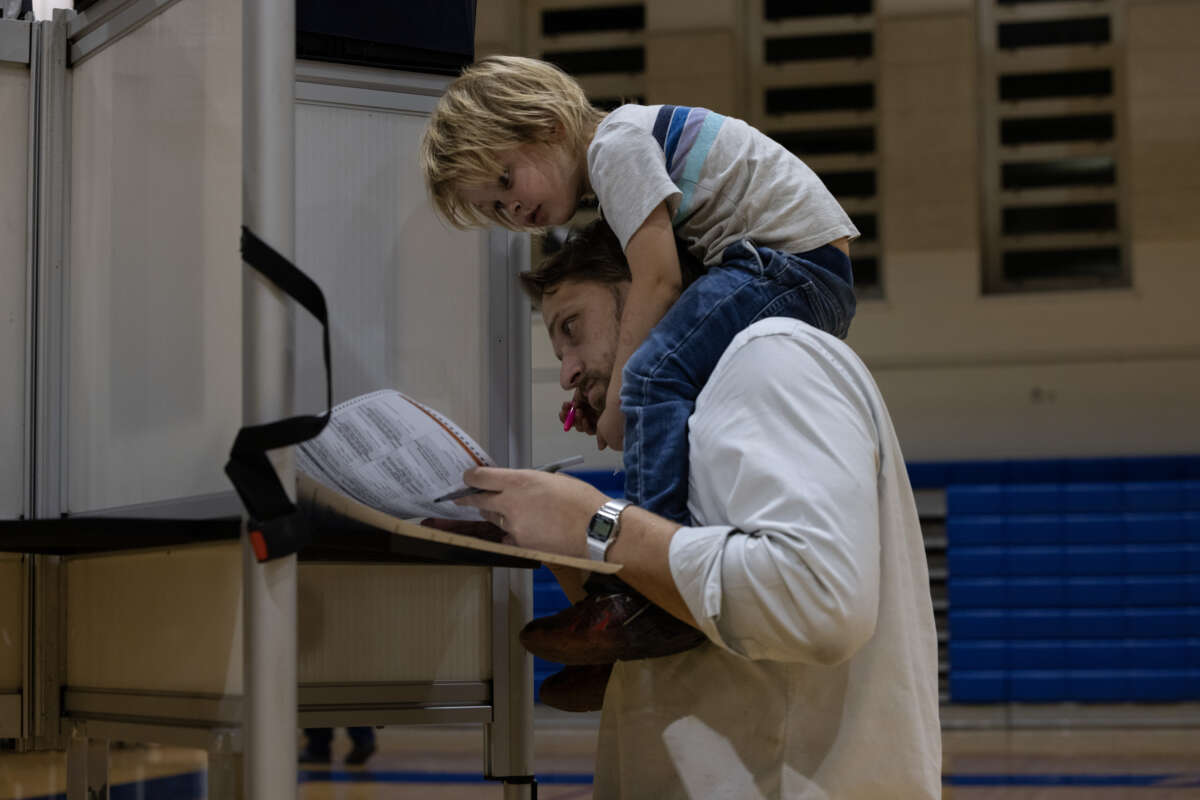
498,104
592,253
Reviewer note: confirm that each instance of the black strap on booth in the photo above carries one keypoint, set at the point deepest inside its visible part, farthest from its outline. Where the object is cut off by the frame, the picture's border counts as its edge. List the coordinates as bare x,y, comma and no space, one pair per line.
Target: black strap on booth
276,527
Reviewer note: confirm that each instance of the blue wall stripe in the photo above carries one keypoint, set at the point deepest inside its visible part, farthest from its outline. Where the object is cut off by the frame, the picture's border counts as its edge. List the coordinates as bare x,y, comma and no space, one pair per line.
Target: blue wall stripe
412,776
1162,781
185,786
191,785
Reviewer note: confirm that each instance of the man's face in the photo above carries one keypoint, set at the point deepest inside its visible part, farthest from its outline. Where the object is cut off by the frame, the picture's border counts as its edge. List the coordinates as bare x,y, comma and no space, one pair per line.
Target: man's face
583,318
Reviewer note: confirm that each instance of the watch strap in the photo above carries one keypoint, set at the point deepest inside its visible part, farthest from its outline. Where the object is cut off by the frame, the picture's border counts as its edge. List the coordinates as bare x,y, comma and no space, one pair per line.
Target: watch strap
607,518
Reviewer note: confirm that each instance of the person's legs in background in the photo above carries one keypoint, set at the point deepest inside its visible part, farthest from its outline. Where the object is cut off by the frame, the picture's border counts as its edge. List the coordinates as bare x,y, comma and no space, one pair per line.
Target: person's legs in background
364,744
317,746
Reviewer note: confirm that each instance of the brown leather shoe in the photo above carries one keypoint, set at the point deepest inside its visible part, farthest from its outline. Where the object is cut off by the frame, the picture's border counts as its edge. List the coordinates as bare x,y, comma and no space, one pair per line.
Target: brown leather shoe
576,688
603,628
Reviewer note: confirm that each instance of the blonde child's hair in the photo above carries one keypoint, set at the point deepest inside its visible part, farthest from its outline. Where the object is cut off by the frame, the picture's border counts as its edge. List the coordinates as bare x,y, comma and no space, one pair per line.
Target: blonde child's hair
497,104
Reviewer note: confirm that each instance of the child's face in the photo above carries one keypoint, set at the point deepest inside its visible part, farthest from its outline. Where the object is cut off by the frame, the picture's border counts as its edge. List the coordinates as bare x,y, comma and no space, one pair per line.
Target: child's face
541,186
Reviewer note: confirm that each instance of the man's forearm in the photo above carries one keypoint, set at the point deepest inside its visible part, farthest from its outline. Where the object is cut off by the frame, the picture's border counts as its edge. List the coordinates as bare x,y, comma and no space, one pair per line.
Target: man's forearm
551,512
643,548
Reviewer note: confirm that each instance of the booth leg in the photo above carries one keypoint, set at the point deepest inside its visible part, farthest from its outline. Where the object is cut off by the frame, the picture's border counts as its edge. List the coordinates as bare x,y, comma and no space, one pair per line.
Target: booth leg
225,770
520,791
87,768
225,776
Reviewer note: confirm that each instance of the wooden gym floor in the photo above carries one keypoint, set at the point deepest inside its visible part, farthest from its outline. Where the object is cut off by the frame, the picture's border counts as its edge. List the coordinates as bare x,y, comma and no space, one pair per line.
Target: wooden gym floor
445,762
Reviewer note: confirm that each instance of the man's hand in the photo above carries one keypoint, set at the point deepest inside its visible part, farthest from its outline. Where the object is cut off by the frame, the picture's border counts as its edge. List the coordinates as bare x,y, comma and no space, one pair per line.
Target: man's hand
585,415
538,510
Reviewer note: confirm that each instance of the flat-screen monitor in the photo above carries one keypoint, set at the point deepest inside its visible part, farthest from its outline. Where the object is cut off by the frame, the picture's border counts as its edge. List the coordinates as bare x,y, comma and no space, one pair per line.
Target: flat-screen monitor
417,35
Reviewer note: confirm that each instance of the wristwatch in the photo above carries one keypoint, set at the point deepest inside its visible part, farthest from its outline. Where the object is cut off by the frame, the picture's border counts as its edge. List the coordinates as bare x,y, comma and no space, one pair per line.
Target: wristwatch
603,529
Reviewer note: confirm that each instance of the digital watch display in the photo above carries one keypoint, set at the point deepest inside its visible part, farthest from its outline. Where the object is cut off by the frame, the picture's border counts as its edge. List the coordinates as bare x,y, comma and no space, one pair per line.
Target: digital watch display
603,529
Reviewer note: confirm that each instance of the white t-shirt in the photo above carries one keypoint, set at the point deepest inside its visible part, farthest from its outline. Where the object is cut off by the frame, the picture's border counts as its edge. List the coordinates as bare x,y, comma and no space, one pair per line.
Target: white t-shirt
819,679
722,179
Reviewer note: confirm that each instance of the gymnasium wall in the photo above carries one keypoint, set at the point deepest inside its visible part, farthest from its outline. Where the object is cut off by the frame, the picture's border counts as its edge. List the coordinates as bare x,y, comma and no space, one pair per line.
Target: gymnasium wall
966,375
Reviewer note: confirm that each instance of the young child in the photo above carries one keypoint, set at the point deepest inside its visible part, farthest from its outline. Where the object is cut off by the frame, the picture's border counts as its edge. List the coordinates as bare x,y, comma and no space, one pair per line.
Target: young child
515,142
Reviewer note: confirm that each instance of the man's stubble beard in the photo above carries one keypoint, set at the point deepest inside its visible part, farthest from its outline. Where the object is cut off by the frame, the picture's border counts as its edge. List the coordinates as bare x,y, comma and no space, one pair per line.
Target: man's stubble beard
606,378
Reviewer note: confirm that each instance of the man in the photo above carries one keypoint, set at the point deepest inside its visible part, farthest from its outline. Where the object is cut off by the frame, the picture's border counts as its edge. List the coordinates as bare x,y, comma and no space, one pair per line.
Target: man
804,567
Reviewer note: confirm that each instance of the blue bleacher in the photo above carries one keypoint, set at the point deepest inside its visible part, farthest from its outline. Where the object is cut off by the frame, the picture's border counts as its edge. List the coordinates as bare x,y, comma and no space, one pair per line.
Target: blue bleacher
939,475
1072,579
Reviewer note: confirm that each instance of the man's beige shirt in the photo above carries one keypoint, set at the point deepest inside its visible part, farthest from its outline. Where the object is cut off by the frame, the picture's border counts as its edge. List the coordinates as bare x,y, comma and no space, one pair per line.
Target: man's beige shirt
806,569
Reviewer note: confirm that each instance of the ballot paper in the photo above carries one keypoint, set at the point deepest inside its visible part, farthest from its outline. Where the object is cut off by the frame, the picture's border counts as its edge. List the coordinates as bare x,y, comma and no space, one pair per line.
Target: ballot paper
384,458
394,454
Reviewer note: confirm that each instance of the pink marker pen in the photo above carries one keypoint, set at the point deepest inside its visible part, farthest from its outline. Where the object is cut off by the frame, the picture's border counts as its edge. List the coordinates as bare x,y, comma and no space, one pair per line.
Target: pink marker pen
570,420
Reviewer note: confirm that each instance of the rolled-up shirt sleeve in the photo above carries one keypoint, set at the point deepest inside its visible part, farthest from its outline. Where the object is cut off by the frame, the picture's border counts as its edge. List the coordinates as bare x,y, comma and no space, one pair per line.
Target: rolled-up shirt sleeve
784,465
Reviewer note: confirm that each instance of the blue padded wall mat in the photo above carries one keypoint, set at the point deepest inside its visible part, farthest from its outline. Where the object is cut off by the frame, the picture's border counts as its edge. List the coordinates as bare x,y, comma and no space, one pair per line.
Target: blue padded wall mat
1056,685
1073,623
612,483
1111,528
936,474
1036,498
1077,654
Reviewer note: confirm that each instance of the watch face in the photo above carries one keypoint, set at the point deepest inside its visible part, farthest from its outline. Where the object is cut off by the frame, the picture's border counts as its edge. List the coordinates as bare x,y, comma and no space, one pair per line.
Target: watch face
601,528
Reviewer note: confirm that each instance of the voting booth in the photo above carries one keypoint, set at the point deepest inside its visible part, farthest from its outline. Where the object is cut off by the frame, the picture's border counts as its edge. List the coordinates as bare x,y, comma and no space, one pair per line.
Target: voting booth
132,608
15,234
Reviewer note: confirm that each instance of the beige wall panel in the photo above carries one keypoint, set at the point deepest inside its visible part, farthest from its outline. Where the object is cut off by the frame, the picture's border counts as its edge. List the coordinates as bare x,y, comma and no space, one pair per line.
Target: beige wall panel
928,140
690,54
497,27
927,39
922,7
1159,25
694,68
14,159
394,623
161,621
1167,217
495,48
1158,121
12,625
1164,146
941,224
155,283
934,312
1033,411
929,183
930,87
1164,118
680,14
623,85
1163,74
1174,272
717,92
909,136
